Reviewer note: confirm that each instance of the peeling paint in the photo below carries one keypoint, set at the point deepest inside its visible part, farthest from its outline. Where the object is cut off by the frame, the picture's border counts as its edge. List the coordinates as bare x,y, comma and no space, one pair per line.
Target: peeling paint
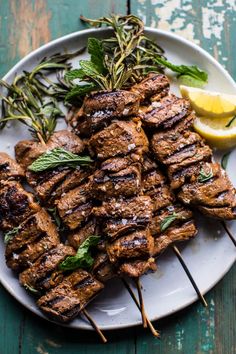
30,34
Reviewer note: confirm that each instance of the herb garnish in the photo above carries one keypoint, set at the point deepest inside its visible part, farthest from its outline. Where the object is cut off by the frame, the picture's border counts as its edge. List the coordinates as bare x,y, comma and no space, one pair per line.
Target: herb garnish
230,122
58,157
11,234
205,176
191,73
224,160
56,217
33,98
165,223
83,258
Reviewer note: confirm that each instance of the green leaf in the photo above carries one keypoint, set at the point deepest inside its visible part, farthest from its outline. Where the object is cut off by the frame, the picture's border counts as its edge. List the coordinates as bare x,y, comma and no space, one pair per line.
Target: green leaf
183,70
11,234
224,160
191,81
95,49
205,176
165,223
83,258
56,217
58,157
90,69
75,74
78,91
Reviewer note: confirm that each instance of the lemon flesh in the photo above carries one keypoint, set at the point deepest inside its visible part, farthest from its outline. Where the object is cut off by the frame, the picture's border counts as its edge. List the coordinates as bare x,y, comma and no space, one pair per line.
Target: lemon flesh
209,103
216,131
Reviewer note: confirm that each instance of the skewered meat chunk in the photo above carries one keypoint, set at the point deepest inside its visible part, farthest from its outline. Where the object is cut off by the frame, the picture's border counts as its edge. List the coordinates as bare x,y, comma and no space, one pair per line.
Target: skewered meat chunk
153,85
172,235
125,182
16,204
120,138
100,108
166,113
66,300
114,228
135,268
27,151
34,236
45,182
102,268
138,244
9,168
116,164
215,192
77,237
75,206
44,273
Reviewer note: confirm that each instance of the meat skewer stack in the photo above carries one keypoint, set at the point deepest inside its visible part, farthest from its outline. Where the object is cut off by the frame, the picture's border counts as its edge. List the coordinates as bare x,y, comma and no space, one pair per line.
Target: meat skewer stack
197,180
34,251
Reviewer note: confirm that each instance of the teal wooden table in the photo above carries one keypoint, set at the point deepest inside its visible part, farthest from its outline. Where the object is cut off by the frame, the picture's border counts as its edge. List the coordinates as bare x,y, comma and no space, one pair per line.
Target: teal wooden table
27,24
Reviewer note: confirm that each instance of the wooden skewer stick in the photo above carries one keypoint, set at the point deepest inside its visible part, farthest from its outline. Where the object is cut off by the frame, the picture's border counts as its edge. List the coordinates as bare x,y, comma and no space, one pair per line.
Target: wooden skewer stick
181,260
141,302
149,323
228,232
94,325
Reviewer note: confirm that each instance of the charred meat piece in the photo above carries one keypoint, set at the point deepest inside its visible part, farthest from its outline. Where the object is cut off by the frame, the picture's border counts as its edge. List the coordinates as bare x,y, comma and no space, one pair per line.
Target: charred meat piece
114,228
177,147
135,268
27,151
75,206
120,138
151,180
180,173
115,164
166,113
65,301
77,237
138,244
174,234
45,182
183,215
132,208
66,140
214,192
44,273
16,204
9,168
161,197
103,270
101,107
34,236
153,84
125,182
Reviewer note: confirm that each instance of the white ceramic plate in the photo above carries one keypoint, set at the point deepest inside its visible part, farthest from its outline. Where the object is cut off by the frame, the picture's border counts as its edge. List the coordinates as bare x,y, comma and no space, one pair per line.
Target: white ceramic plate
208,257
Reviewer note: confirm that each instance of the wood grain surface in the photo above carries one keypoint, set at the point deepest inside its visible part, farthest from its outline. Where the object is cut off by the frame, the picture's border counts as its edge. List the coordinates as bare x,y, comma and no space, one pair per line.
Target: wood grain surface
24,26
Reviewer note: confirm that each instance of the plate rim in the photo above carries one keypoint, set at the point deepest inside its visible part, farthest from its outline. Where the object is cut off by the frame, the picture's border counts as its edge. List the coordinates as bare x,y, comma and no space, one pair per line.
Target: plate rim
71,36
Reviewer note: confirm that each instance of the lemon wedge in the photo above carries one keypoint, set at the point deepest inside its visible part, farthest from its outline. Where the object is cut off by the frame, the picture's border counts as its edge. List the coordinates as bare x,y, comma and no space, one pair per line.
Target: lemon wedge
220,133
209,103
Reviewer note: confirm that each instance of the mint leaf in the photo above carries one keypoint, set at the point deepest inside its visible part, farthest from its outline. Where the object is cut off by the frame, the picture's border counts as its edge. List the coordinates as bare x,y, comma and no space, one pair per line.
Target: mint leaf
79,90
74,74
83,258
183,70
166,222
90,69
58,157
96,51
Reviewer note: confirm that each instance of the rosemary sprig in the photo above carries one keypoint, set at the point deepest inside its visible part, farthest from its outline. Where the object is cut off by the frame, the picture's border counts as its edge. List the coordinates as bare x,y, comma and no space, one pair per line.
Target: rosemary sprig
205,176
58,157
166,222
83,258
30,288
33,98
